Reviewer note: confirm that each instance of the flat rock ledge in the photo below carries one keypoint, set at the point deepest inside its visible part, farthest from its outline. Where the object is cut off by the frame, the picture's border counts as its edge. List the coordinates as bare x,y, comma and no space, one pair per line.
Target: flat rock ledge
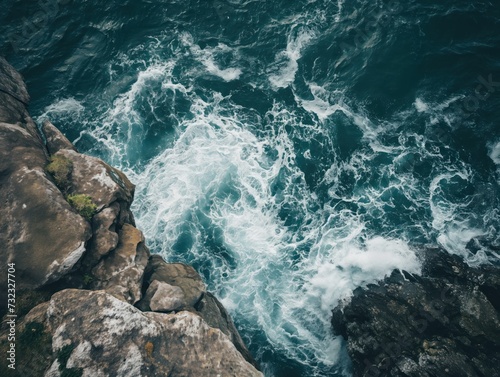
90,298
443,323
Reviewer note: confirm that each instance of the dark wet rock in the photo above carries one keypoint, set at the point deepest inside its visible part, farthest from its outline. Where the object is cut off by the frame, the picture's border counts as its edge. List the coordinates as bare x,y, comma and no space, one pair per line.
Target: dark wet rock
214,313
444,323
13,95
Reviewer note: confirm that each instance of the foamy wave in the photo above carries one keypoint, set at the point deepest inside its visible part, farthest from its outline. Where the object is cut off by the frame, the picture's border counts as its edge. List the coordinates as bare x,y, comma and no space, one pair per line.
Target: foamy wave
286,64
207,57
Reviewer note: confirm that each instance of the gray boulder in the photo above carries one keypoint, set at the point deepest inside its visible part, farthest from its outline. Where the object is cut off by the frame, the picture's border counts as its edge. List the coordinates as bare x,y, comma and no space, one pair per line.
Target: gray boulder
163,297
93,177
176,274
113,338
55,140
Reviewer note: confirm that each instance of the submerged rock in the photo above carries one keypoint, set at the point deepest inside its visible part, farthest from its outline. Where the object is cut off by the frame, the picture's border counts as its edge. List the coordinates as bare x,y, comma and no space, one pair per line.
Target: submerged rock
444,323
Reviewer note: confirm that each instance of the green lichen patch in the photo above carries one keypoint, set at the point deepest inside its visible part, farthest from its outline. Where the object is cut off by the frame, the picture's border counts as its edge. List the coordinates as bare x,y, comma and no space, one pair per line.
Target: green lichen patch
83,205
60,168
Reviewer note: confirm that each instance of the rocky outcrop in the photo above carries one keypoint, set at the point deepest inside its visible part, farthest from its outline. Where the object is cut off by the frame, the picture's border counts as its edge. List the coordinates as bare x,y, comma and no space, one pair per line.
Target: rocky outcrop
121,271
55,140
176,274
34,214
443,323
112,338
92,301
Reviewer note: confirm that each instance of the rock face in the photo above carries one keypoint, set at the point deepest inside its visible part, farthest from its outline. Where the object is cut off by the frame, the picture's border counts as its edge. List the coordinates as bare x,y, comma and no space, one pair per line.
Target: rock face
163,297
13,95
444,323
177,274
121,271
61,251
34,213
112,338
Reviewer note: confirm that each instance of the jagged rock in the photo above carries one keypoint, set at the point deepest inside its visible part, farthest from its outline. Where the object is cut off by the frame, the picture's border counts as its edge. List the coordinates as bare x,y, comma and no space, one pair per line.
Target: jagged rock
13,95
112,338
121,271
14,99
35,215
176,274
92,333
55,140
215,315
163,297
93,177
105,236
444,323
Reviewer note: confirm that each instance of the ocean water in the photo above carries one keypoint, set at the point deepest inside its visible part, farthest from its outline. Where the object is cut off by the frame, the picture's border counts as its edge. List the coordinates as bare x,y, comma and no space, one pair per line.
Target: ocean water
291,151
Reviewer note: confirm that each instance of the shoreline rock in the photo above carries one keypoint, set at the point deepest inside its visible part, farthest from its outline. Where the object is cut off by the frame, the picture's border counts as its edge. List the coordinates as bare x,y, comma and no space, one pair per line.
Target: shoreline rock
81,268
443,323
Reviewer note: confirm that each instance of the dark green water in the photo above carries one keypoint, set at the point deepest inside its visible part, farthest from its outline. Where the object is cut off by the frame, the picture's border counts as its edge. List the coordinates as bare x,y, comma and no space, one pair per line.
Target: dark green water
291,151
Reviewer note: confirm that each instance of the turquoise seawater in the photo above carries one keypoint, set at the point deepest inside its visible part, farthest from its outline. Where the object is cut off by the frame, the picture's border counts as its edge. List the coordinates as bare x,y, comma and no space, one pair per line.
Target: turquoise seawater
290,150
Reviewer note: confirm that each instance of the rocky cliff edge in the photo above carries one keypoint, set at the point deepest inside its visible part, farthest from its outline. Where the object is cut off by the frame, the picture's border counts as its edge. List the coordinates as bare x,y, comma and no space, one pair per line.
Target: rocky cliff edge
90,299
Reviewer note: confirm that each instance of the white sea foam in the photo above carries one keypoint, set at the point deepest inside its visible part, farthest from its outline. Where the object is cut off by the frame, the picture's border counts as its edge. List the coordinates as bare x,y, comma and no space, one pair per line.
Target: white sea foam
62,108
207,58
421,106
494,152
229,180
286,63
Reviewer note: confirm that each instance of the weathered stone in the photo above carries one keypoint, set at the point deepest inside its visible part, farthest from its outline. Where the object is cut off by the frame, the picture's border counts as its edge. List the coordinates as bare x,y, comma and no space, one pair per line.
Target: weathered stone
93,177
163,297
56,141
92,333
215,315
105,236
39,231
113,338
445,322
177,274
13,95
121,271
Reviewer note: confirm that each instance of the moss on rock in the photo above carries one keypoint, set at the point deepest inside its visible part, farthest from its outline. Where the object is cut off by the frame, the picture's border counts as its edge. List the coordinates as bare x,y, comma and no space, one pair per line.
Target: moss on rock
60,168
83,205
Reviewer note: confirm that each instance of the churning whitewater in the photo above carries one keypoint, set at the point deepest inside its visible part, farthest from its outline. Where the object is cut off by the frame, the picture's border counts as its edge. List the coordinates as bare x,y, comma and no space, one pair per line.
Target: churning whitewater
290,152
